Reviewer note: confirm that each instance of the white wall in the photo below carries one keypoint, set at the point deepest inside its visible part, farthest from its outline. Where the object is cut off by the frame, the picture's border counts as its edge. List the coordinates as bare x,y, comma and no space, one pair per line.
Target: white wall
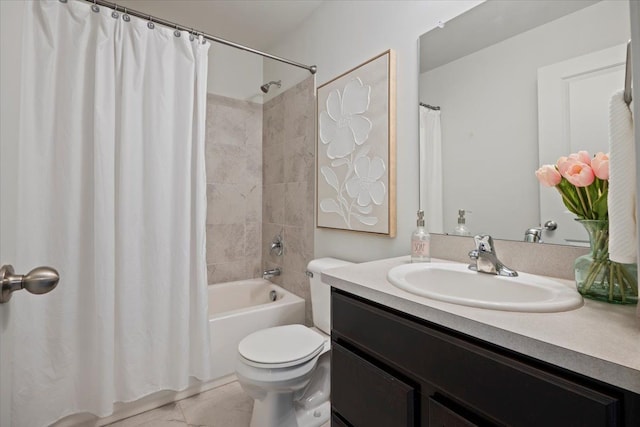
498,84
234,73
10,35
343,34
289,76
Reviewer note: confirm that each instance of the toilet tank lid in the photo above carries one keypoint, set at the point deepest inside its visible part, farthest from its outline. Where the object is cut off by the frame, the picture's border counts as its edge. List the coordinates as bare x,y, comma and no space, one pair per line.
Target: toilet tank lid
321,264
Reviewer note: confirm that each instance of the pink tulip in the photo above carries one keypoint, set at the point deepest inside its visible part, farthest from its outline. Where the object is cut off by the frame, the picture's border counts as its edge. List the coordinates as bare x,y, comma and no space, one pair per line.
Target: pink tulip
600,166
581,156
563,163
548,175
578,173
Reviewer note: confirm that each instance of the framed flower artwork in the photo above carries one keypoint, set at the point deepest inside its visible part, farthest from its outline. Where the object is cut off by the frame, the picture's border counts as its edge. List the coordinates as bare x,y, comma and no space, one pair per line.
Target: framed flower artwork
356,154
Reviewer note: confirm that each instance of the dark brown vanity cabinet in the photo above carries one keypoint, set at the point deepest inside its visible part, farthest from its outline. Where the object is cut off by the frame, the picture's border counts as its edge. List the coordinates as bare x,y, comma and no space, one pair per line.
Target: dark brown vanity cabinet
389,369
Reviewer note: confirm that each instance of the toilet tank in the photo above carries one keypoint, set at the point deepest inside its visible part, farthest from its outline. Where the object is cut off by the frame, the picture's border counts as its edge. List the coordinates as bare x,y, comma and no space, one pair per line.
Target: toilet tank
321,293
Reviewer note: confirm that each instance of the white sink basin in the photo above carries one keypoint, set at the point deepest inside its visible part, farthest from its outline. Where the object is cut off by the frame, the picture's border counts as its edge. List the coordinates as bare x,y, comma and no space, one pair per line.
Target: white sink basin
455,283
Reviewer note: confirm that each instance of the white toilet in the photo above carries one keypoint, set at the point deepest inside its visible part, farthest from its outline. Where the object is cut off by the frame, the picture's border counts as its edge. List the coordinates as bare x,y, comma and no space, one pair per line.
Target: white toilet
285,369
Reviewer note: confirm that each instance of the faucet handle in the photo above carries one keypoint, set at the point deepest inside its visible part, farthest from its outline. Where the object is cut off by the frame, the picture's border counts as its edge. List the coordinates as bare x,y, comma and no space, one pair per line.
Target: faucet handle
277,246
484,243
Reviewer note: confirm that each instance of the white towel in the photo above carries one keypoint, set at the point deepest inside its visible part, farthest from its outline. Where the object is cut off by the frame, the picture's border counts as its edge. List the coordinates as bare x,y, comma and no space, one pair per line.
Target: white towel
622,183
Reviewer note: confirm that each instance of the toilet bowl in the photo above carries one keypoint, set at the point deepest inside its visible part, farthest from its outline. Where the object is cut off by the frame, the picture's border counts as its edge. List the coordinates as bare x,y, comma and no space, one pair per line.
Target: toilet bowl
286,369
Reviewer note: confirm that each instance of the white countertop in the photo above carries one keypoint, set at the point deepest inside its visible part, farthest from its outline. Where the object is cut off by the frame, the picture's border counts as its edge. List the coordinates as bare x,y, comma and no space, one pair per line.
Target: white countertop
598,340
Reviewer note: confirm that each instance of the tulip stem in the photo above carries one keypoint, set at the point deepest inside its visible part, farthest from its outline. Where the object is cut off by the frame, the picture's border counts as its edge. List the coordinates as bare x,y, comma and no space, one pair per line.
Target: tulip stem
586,190
566,199
584,206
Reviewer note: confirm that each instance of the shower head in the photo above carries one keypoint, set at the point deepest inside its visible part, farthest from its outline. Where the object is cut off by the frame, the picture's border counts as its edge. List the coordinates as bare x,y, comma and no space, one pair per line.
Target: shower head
265,87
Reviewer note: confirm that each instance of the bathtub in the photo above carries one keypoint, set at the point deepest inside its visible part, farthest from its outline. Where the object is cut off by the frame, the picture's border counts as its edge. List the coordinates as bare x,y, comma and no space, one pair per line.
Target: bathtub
237,309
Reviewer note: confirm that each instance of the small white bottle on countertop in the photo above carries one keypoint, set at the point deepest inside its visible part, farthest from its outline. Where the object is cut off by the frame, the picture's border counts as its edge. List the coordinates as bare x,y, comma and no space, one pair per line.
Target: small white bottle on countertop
420,241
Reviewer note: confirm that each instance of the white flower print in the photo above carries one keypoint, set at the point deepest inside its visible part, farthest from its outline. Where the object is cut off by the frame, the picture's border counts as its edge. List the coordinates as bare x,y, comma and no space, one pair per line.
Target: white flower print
365,185
342,125
352,174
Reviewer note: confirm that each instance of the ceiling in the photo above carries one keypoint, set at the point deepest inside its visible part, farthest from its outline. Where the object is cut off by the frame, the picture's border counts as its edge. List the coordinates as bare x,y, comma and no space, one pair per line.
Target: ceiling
254,23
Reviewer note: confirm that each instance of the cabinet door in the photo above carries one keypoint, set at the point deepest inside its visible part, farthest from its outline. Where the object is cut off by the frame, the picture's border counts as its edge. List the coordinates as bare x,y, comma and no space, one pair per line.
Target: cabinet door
365,395
337,422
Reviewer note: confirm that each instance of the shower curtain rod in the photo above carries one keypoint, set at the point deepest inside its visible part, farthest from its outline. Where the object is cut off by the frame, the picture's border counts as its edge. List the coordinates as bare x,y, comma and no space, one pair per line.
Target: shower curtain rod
311,68
431,107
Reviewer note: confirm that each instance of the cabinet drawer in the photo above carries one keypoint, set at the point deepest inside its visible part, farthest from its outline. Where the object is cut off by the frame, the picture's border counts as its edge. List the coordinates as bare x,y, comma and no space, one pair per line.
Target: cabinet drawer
495,386
365,395
442,416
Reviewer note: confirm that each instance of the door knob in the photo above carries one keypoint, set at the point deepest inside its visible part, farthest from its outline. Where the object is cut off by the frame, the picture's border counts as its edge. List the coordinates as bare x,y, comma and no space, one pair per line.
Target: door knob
40,280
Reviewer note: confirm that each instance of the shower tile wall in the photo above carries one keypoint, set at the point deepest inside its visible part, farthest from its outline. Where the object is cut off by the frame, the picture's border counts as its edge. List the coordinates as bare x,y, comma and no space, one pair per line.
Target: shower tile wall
288,185
234,189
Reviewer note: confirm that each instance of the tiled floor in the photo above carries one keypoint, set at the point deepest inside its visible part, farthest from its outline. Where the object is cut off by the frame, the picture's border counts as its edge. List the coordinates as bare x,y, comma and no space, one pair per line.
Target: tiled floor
226,406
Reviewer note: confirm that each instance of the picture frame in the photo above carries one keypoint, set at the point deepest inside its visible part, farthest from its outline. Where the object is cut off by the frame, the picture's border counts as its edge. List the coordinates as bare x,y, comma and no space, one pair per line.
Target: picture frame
356,149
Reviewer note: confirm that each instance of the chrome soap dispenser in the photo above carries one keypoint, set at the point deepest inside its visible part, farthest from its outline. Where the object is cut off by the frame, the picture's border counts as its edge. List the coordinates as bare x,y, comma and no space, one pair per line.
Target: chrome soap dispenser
420,241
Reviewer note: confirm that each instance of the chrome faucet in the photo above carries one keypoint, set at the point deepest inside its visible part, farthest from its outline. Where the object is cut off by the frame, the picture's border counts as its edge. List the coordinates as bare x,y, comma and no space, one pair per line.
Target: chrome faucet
485,258
533,235
268,274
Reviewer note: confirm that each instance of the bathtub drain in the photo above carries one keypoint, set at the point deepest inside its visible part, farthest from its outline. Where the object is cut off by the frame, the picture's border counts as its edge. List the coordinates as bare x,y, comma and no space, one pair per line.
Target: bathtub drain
273,296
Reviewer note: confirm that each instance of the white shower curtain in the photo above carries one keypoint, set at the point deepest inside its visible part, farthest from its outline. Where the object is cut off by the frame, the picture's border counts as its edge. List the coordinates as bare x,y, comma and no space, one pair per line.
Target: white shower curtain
112,193
431,168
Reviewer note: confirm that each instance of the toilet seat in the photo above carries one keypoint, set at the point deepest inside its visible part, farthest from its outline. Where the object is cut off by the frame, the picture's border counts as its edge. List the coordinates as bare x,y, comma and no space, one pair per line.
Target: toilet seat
281,346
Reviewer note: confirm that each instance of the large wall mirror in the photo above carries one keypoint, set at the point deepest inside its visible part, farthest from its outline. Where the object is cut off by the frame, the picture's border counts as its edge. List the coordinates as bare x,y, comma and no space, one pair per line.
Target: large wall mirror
508,86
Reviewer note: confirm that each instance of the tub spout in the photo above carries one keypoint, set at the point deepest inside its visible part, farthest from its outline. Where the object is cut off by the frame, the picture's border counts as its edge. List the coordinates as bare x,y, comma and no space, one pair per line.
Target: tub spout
268,274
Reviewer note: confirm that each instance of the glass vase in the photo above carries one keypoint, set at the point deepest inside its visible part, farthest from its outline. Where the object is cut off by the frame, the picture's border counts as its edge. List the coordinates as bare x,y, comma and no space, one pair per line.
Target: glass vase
599,278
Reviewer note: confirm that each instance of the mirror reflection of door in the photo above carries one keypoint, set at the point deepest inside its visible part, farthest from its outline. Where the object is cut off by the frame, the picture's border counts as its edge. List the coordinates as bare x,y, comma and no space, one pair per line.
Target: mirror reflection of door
573,115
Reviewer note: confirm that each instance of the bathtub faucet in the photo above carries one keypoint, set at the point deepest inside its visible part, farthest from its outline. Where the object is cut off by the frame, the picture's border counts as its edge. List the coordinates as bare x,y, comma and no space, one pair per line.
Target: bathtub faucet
268,274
